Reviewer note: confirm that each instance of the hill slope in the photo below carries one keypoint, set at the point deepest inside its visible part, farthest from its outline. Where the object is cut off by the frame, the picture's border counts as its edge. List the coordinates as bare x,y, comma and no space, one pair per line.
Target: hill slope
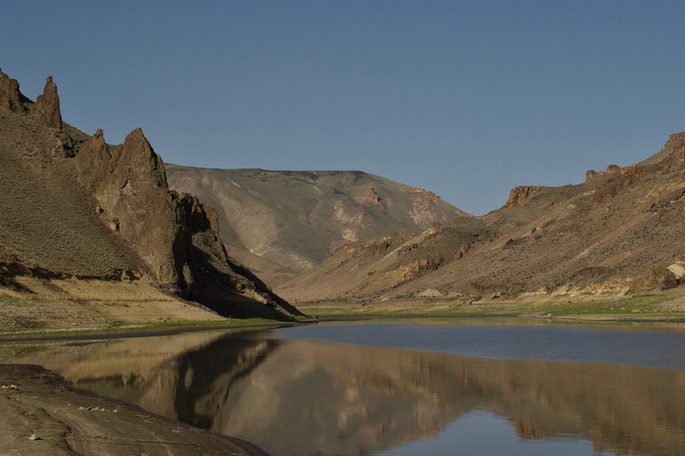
283,223
73,206
620,231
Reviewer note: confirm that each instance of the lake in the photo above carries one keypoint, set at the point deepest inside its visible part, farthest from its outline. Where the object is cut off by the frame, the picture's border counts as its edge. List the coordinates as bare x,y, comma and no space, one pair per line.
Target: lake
427,386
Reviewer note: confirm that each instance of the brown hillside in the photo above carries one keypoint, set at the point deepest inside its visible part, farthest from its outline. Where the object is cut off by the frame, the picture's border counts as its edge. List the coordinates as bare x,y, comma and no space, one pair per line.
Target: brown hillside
619,232
73,206
283,223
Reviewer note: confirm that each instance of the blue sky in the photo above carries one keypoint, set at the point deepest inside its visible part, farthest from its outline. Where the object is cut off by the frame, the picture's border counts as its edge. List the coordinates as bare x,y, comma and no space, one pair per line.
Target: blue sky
464,98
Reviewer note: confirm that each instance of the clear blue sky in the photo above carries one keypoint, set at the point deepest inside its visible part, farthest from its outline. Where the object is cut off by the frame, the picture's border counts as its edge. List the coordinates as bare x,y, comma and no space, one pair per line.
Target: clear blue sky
464,98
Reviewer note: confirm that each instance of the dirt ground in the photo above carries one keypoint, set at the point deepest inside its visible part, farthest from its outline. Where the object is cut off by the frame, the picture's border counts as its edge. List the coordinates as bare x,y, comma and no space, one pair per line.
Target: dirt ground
43,415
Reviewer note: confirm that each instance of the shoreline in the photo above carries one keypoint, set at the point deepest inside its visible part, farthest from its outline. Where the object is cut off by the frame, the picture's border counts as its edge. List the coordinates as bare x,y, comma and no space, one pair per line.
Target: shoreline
34,320
100,334
38,402
44,415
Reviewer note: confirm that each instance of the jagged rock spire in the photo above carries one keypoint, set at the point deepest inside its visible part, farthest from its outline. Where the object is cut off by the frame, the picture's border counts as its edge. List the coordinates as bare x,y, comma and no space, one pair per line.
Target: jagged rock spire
139,152
46,110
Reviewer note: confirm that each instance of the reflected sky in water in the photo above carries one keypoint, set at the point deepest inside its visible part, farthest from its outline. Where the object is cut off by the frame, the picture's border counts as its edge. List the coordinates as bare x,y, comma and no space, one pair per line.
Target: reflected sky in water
482,433
559,343
399,389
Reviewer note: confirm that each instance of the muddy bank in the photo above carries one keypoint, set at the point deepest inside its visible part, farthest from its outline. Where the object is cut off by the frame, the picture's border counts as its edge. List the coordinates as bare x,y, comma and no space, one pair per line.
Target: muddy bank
43,415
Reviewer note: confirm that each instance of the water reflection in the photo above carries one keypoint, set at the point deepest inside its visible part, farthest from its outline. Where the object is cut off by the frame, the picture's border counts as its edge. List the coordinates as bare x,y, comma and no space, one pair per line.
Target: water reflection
299,397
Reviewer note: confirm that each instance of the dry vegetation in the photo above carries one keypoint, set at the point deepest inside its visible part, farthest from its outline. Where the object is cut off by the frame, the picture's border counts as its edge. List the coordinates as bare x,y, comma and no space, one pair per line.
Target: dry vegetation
47,221
68,304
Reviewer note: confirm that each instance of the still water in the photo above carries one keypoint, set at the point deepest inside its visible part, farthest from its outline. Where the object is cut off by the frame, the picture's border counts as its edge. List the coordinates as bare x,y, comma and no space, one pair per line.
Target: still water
438,388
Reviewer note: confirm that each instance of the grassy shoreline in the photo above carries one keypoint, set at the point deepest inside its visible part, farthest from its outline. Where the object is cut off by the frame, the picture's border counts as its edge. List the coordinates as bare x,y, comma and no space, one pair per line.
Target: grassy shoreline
138,330
636,308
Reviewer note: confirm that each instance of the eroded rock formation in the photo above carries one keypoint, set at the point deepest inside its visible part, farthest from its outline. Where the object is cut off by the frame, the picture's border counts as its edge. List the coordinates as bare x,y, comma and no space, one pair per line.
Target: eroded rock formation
169,238
130,188
10,96
46,109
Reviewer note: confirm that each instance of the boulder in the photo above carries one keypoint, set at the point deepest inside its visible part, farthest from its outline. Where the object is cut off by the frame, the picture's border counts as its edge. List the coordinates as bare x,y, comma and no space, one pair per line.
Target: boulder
677,269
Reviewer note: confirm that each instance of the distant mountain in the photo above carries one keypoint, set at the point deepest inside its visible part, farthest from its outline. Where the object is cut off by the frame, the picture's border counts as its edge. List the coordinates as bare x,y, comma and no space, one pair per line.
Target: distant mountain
283,223
73,206
621,231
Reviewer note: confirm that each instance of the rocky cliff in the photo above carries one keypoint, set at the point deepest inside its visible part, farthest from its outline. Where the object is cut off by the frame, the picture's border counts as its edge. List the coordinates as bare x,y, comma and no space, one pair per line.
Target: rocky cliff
73,205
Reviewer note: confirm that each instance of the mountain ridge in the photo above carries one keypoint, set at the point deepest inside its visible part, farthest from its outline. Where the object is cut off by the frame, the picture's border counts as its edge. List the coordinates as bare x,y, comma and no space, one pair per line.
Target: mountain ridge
618,232
77,206
283,223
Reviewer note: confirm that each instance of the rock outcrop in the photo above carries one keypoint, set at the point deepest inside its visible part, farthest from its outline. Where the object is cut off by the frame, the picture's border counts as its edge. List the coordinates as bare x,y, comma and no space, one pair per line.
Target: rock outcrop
129,186
423,193
46,109
10,96
207,274
121,203
520,195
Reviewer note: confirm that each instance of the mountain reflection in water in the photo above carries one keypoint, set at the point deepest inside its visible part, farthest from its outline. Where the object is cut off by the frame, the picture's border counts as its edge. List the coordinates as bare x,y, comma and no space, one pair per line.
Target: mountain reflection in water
301,397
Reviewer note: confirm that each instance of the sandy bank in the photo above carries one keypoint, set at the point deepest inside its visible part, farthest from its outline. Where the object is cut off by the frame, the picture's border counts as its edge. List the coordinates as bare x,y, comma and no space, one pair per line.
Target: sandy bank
43,415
